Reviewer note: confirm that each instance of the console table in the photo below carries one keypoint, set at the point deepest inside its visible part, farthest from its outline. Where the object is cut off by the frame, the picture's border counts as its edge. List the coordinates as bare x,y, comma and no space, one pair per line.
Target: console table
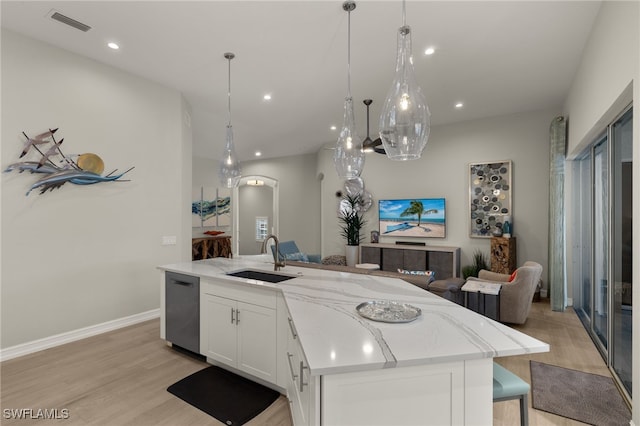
444,261
208,247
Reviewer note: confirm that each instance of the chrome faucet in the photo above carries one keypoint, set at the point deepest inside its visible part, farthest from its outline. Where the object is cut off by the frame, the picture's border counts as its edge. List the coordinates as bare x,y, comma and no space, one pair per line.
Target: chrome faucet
276,263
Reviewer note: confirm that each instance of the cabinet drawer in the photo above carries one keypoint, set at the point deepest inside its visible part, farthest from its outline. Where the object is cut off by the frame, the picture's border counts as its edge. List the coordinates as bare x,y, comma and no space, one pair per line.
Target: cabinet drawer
238,291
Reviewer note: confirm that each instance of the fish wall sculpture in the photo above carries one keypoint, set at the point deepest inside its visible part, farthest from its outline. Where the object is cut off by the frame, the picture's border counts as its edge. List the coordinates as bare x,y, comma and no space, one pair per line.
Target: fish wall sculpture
87,169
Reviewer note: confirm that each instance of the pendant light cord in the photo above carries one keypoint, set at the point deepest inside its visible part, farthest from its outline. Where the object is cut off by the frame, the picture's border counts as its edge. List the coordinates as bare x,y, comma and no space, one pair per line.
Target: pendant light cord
404,14
349,55
229,91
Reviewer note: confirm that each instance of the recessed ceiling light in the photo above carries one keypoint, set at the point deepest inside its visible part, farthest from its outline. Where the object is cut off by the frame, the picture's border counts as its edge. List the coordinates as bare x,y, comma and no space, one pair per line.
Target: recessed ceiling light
333,127
113,45
267,97
258,153
459,105
429,51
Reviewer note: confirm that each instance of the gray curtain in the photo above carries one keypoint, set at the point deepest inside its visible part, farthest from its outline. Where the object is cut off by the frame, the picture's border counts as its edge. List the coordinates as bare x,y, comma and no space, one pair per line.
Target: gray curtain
557,272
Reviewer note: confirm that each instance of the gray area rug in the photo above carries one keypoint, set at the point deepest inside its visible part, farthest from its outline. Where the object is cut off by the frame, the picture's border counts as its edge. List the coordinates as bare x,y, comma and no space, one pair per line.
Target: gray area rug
585,397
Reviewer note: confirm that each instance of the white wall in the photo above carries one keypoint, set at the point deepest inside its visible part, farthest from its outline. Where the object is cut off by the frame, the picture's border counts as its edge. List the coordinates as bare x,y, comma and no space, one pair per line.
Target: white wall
609,65
84,255
299,197
607,80
255,201
443,172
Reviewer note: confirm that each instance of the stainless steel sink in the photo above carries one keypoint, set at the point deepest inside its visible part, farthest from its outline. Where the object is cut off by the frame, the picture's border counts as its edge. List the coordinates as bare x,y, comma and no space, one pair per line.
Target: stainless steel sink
260,275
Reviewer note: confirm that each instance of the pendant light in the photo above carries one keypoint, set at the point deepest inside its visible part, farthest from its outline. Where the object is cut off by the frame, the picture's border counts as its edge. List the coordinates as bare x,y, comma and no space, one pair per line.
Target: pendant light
230,172
405,118
348,156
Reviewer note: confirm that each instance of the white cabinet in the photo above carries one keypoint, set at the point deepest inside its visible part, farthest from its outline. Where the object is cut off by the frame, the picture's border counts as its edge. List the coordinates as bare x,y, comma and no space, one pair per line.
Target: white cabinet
300,385
238,330
221,330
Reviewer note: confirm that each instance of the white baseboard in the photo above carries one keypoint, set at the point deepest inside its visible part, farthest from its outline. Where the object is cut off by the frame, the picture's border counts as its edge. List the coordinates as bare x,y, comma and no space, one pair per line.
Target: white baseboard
72,336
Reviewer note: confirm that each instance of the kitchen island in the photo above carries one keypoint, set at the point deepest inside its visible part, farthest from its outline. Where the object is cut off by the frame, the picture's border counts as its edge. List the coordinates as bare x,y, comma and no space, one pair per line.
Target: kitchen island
304,337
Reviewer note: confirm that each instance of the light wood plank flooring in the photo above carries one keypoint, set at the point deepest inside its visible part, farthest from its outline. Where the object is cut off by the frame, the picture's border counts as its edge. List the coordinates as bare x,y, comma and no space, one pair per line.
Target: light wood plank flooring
571,347
120,378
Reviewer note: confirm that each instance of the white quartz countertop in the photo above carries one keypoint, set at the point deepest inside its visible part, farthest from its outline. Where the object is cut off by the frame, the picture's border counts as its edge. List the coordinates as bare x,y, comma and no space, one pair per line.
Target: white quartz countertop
336,339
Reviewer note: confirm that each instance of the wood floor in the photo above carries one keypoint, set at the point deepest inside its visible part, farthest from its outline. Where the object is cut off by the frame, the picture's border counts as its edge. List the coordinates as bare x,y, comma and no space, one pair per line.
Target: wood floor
571,347
120,378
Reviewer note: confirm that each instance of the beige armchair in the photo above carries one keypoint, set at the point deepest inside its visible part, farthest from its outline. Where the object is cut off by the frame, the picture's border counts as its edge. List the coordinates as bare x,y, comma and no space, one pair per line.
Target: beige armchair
515,296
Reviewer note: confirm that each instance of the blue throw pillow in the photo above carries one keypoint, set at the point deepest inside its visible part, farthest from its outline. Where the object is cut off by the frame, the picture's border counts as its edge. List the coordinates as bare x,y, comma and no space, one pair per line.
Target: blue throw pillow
429,275
299,256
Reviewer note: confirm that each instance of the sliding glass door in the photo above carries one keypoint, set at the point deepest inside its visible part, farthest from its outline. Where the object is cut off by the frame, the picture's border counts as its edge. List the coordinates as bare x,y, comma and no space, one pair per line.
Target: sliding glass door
601,240
621,136
582,288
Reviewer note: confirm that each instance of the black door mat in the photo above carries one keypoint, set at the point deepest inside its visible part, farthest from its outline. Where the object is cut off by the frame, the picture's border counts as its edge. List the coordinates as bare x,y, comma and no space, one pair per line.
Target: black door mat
230,398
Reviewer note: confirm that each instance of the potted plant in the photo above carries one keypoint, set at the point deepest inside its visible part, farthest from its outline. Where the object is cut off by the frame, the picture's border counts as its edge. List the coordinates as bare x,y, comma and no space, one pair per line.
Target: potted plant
352,220
479,262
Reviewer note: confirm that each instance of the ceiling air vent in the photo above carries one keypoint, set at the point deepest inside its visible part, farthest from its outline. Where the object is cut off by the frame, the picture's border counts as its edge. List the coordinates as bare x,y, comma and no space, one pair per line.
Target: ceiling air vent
57,16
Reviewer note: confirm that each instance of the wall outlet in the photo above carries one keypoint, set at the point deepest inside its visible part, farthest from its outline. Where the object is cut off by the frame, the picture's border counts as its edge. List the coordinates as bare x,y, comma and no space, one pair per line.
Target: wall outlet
169,240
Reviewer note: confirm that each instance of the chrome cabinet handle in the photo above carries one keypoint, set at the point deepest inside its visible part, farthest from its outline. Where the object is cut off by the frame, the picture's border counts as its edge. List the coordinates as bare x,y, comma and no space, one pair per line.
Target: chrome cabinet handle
232,318
293,375
293,330
237,316
302,383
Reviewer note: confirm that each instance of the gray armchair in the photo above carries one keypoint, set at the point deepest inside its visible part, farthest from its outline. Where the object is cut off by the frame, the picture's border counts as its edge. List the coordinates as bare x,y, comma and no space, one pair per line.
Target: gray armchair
515,296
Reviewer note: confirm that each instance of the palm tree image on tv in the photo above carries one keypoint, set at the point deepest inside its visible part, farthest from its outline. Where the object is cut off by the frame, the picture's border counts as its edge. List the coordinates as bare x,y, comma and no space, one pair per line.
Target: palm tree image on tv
417,208
418,217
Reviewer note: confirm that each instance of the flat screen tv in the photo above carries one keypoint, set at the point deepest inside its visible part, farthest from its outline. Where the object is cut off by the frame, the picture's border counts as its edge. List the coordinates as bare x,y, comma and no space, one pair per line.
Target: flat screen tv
412,217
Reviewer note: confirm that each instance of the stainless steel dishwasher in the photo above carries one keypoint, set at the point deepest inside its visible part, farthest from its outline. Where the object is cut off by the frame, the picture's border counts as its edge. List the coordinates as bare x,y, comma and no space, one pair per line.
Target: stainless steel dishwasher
182,304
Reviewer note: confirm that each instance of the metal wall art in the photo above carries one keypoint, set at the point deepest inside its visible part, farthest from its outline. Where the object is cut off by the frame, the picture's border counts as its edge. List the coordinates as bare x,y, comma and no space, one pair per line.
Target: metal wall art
58,168
490,198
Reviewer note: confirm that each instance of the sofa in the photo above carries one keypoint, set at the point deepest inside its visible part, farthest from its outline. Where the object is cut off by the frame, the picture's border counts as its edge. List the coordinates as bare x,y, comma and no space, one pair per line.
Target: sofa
448,288
289,251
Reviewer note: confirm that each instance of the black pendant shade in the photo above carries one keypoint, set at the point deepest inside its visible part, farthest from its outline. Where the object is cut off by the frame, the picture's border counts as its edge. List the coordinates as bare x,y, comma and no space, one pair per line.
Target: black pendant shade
368,144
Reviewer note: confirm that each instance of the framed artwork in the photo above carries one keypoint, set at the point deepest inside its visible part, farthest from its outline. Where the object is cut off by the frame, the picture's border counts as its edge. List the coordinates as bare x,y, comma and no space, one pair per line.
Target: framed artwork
490,197
196,207
210,207
223,207
209,213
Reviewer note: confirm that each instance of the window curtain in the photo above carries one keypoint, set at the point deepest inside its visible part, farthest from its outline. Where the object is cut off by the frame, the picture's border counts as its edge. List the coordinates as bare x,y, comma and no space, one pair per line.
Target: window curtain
557,275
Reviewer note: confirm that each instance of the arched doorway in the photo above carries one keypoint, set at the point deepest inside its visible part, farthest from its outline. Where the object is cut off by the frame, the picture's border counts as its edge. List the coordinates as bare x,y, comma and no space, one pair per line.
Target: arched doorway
244,211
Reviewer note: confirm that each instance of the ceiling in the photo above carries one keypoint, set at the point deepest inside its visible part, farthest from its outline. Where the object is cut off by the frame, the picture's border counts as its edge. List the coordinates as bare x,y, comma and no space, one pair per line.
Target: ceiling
496,57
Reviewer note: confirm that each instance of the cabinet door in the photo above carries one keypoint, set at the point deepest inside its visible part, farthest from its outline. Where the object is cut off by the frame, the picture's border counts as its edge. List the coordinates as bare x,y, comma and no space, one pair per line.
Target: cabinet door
304,389
370,255
221,335
392,259
415,260
298,394
297,410
257,341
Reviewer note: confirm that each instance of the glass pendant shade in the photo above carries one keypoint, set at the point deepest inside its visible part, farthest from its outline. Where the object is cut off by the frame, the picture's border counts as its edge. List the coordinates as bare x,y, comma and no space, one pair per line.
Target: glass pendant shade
348,156
405,121
230,171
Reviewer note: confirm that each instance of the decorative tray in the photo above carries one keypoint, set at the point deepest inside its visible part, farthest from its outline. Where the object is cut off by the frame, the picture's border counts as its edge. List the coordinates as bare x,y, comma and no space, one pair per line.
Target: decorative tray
388,311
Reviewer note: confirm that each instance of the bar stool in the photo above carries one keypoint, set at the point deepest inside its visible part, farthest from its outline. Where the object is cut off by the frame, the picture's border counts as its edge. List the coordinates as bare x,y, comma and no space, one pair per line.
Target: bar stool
506,386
